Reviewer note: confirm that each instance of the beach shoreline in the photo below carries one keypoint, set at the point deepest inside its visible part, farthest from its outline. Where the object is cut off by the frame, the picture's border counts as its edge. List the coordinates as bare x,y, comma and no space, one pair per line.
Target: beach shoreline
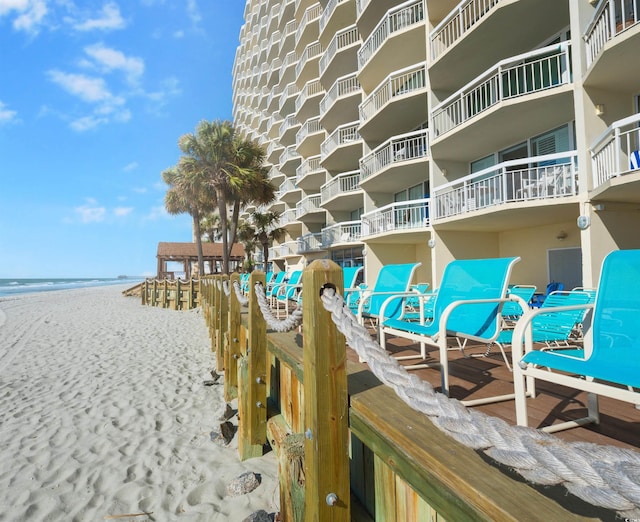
104,410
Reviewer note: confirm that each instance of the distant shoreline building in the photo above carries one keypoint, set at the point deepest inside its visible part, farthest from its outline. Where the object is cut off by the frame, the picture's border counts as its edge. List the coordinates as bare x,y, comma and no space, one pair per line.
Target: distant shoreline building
438,130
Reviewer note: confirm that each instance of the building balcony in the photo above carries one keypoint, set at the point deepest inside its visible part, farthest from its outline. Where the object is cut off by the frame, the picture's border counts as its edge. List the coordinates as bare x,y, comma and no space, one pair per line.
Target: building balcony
551,178
308,27
273,101
335,15
308,209
399,162
274,150
288,192
342,192
310,243
537,82
473,25
340,56
288,217
612,36
369,14
340,103
397,104
273,76
284,250
307,67
310,175
310,137
275,176
288,41
308,100
288,129
287,100
289,160
287,9
342,149
399,40
288,68
396,217
273,127
341,233
615,162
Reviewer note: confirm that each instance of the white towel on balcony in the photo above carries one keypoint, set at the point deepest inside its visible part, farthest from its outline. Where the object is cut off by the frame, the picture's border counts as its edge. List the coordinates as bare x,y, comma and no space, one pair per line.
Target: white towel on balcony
634,160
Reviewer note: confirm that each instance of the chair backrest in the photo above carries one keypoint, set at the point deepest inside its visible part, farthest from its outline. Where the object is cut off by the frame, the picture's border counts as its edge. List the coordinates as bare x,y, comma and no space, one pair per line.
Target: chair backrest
272,287
469,279
617,308
391,278
350,275
291,286
557,326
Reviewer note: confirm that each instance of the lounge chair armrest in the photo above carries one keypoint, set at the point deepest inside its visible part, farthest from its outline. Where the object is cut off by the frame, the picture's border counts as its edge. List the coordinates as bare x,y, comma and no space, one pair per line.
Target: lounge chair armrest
393,296
523,332
446,313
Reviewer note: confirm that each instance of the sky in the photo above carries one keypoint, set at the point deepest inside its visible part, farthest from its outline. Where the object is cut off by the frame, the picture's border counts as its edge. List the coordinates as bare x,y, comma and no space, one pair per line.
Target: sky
94,95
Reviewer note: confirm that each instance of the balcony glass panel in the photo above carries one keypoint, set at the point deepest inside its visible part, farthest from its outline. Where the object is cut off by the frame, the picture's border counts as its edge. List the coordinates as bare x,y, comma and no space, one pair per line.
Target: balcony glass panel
617,151
397,216
540,177
532,72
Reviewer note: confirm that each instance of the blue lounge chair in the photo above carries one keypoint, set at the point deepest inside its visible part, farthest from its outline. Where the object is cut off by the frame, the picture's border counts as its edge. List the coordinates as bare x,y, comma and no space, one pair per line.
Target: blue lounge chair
288,291
538,299
512,310
391,280
467,306
275,283
350,275
609,364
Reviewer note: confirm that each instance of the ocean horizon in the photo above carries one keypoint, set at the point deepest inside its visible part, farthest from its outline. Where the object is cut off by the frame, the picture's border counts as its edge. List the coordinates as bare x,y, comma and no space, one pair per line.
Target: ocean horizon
19,286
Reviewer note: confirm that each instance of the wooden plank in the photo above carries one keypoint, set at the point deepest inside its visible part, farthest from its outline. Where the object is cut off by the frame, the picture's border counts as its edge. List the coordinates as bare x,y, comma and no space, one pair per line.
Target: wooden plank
233,349
326,404
385,490
455,480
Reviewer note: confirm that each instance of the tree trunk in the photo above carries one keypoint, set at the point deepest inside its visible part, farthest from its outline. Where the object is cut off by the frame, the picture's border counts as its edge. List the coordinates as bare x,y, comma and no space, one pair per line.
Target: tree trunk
265,254
222,210
196,226
233,230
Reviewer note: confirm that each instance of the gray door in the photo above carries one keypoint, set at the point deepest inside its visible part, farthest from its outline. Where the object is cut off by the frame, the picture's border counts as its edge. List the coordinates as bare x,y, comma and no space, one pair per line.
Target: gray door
565,266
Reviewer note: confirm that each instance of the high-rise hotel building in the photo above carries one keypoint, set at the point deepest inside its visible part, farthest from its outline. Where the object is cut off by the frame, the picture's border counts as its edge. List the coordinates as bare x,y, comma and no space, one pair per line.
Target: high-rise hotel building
432,130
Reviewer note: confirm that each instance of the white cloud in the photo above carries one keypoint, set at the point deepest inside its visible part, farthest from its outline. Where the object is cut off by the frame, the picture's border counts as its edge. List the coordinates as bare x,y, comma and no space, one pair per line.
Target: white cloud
91,212
108,19
86,123
108,60
130,166
9,5
6,115
193,11
31,19
87,88
122,211
158,212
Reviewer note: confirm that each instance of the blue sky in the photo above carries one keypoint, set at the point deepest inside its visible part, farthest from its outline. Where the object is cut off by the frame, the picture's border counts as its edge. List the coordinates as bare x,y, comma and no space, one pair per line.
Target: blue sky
93,98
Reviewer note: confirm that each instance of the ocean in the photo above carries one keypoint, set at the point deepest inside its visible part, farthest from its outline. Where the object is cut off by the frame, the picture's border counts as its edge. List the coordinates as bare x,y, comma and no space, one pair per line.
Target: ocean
25,286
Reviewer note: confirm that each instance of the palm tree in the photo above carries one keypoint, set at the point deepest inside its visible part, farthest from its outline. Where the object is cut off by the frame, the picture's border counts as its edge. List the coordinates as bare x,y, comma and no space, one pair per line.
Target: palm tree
189,193
247,236
267,231
210,226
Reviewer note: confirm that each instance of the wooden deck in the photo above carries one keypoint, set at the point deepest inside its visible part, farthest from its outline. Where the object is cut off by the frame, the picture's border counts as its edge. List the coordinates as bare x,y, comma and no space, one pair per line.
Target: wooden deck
477,377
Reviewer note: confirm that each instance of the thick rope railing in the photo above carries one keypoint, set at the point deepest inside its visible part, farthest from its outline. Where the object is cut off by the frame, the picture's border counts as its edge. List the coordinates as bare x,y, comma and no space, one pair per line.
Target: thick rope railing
600,475
242,299
285,325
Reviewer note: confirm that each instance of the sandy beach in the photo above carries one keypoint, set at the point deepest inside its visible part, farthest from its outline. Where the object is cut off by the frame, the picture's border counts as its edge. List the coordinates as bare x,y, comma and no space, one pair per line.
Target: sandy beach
104,411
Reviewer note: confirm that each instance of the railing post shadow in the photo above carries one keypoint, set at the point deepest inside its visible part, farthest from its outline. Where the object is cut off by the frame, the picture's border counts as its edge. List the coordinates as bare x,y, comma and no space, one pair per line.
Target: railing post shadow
252,389
326,409
232,349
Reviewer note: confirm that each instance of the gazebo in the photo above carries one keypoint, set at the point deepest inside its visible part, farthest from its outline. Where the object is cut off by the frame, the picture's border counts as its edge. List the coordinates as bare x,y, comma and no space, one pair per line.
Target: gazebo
187,254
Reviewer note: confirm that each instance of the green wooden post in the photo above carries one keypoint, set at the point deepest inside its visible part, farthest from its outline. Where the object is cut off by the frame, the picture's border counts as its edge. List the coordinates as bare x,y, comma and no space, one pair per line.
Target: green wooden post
252,390
233,347
326,410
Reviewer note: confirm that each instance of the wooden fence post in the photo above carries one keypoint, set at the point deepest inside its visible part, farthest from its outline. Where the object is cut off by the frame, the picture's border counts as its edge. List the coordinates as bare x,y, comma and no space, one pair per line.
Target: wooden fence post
326,410
252,389
232,353
222,323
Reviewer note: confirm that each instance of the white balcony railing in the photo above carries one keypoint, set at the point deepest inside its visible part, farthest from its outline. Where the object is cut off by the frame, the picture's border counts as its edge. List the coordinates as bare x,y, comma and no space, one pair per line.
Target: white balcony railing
328,12
310,89
343,135
288,154
289,122
396,19
308,166
288,216
341,184
400,83
527,73
541,177
610,18
345,232
310,243
457,23
311,126
341,40
406,147
288,248
287,185
401,215
290,91
311,51
307,205
311,15
342,87
617,151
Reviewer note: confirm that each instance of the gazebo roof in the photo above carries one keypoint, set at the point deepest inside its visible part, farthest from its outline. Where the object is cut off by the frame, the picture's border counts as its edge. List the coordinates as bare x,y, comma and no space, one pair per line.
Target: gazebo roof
179,251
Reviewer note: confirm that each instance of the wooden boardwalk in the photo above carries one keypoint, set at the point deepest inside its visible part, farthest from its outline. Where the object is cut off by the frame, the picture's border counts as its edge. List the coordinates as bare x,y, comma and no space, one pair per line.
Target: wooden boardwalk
477,377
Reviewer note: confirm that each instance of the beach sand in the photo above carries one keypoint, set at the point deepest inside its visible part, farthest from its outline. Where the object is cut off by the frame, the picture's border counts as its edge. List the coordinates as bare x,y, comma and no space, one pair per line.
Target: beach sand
104,411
